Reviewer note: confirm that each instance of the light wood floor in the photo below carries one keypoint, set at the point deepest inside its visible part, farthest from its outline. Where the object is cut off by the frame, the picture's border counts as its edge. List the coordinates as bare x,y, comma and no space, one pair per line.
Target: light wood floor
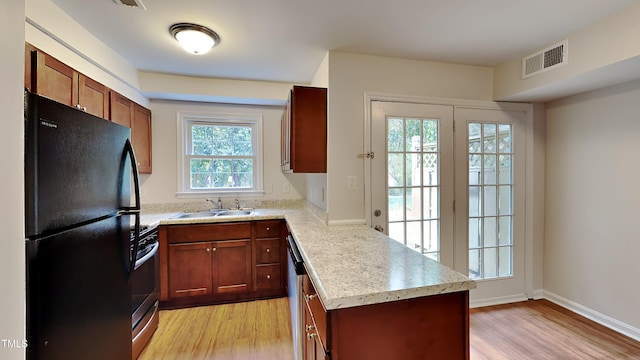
247,330
542,330
534,330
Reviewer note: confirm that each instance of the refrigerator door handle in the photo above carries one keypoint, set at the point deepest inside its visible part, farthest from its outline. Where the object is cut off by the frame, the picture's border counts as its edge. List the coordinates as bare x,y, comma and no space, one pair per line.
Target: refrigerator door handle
134,250
134,167
135,209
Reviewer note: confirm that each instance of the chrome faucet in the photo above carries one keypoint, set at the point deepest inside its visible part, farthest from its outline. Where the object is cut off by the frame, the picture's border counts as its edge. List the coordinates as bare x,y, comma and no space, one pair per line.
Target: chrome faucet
218,204
237,204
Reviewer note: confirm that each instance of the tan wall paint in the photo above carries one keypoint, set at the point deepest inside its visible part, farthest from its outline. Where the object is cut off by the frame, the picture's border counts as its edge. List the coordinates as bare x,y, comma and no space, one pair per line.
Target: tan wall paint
63,38
600,55
161,186
12,263
350,76
592,203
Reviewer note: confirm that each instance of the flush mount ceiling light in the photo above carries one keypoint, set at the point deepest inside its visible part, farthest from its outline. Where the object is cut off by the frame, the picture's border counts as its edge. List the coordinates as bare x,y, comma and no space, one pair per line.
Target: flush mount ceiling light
195,39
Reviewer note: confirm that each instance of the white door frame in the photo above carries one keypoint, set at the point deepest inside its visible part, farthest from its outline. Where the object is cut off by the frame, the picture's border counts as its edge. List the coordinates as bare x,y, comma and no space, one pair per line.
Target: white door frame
529,239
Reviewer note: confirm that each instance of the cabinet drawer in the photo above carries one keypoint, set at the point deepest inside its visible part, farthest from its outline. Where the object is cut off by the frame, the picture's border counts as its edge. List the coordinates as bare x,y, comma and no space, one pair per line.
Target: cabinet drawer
268,276
268,229
268,251
318,313
207,232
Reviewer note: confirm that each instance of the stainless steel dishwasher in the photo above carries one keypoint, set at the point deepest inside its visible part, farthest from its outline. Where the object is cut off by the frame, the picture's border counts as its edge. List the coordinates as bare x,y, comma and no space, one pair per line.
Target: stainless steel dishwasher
294,291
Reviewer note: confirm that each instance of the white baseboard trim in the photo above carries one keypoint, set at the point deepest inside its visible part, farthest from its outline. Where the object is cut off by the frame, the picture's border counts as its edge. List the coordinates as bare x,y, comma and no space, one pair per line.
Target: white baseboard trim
496,301
591,314
538,294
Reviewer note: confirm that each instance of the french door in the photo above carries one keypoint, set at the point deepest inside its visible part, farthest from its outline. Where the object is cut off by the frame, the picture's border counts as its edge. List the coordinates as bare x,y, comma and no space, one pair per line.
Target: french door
455,196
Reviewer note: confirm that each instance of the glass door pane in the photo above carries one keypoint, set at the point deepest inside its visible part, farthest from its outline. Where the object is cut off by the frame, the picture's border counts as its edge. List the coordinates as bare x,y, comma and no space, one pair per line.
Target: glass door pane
413,162
490,200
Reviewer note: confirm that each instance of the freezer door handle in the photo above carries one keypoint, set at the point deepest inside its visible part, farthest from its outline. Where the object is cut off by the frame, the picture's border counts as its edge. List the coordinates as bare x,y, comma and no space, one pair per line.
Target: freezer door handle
136,184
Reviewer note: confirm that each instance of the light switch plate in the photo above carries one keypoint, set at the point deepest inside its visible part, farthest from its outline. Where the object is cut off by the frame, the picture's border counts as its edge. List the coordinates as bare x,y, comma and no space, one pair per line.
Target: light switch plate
352,183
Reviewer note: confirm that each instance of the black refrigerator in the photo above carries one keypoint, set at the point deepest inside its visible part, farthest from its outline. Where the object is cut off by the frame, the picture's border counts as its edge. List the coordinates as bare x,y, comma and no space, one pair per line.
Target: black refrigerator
80,173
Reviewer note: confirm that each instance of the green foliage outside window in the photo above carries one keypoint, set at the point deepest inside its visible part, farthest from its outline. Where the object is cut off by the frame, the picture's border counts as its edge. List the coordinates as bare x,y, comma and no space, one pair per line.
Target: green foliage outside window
221,156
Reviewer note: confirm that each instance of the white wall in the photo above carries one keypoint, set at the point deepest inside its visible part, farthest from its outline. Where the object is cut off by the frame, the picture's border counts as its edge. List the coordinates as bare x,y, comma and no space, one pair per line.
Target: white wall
161,186
592,204
350,76
317,183
12,269
602,54
51,30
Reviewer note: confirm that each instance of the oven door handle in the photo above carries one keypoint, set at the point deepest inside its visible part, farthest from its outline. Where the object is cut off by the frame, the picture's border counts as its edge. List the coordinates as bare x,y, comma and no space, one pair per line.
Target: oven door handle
149,255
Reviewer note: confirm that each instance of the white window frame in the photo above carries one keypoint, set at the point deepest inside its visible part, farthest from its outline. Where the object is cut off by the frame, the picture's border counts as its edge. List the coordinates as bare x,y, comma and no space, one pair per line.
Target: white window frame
185,121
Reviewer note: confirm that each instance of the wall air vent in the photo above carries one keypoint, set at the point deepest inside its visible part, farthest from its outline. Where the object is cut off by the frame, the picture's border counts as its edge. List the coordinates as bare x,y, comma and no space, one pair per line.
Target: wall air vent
131,3
547,59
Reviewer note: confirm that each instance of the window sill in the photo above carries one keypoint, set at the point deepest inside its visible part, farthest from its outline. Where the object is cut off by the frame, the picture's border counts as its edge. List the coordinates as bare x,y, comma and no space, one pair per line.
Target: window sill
227,193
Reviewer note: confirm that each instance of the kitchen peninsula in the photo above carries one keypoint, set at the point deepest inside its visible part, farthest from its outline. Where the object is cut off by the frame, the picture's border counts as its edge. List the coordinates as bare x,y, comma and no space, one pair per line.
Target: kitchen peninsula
367,296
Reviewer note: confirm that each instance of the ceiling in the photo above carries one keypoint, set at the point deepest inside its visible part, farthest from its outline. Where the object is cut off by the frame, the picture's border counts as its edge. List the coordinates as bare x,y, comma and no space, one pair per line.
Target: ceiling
285,40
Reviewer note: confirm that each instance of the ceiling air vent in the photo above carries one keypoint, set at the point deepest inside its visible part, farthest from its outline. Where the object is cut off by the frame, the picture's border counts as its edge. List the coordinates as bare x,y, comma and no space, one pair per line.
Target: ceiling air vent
130,3
547,59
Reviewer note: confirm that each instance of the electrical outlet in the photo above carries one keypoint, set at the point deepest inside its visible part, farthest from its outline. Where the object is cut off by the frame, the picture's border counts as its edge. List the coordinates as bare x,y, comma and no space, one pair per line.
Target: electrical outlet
352,183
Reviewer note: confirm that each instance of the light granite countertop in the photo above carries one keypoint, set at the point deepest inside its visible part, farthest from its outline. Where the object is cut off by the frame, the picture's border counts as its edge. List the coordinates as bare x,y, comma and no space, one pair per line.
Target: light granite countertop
350,265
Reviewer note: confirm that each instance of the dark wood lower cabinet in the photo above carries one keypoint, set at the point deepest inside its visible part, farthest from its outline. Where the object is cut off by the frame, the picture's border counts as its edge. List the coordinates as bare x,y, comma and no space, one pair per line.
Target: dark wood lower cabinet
431,327
223,262
231,266
190,270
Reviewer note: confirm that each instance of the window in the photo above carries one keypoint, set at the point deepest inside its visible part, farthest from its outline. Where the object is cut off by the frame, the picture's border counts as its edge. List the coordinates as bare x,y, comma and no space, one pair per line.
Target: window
220,154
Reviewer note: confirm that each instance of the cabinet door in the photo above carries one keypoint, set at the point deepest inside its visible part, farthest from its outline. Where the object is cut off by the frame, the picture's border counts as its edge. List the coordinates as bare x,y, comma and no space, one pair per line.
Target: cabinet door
141,138
232,266
190,269
54,79
93,97
305,137
121,110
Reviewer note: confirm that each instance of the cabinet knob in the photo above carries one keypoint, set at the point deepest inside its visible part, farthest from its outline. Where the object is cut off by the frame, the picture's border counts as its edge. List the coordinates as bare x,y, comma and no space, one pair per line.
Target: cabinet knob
208,250
311,335
268,250
268,228
309,328
214,249
310,297
268,277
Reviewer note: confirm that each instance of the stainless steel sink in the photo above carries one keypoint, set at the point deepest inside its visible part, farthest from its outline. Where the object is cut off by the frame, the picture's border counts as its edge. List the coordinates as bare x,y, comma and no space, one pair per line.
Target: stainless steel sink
215,213
196,215
241,212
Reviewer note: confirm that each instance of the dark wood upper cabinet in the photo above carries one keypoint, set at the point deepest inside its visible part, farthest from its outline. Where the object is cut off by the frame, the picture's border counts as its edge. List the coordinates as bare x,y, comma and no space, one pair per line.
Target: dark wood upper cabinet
93,97
138,118
141,138
304,131
47,76
122,110
53,79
